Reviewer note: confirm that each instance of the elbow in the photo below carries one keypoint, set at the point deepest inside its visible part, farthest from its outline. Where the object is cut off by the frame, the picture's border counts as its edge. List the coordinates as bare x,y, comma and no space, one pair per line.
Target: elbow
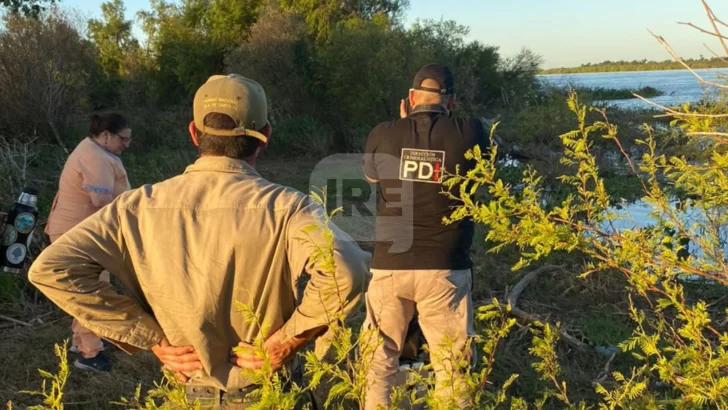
37,275
100,202
354,281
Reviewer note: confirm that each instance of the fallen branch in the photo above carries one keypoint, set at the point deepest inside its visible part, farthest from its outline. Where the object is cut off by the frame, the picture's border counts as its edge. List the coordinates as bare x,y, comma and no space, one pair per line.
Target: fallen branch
602,377
535,320
515,293
16,321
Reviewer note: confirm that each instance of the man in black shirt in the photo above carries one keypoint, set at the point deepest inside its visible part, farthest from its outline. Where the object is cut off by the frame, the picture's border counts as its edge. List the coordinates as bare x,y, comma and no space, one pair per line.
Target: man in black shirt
419,262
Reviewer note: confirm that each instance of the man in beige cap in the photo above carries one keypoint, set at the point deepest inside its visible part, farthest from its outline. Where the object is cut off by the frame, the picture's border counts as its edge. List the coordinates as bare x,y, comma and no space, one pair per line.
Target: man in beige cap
189,247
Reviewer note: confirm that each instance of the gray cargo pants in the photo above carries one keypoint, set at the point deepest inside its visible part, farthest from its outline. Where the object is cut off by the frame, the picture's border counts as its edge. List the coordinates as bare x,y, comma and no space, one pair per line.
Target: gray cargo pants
443,301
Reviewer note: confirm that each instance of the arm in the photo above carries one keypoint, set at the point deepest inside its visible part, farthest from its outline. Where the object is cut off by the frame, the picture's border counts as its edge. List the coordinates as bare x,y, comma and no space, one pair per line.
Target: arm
67,272
328,296
98,180
369,163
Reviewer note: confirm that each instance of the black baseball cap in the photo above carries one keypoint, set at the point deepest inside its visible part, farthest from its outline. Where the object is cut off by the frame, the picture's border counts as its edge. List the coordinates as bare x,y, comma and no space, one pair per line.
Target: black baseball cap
436,72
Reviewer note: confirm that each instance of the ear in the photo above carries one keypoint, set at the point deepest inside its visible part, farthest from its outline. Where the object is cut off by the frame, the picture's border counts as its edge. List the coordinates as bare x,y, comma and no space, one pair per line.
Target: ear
193,133
412,101
267,131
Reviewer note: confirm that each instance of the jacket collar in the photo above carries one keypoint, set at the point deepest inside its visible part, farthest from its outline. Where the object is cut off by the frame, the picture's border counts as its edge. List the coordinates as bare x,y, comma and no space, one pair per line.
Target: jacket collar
222,164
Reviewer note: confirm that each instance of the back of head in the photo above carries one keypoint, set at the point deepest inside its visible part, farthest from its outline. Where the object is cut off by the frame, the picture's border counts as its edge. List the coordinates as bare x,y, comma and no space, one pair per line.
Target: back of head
237,146
231,117
111,122
433,84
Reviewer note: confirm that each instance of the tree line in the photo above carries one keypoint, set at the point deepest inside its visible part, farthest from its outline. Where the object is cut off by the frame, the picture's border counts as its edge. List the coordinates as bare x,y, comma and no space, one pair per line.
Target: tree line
331,69
638,65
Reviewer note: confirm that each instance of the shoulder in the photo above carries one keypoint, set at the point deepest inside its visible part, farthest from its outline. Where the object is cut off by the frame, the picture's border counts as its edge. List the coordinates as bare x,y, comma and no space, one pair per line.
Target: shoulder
470,122
471,126
386,127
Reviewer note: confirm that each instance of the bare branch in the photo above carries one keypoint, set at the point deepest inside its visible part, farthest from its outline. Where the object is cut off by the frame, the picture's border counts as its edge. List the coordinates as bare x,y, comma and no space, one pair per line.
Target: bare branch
719,134
602,377
677,58
719,21
712,18
702,30
674,113
513,295
16,321
566,336
715,54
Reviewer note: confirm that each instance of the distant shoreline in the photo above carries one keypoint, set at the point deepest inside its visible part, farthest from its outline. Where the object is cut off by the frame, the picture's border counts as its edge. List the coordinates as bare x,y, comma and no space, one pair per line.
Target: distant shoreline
699,70
636,66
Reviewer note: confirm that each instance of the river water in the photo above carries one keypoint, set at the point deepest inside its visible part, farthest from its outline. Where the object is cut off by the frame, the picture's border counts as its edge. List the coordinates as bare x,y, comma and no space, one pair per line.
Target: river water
679,86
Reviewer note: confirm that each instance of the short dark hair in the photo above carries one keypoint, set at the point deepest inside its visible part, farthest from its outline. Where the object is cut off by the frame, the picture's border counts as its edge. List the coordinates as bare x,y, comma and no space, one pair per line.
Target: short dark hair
112,122
239,147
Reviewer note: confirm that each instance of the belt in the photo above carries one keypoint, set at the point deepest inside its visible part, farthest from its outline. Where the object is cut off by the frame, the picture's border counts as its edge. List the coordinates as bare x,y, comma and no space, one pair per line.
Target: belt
214,398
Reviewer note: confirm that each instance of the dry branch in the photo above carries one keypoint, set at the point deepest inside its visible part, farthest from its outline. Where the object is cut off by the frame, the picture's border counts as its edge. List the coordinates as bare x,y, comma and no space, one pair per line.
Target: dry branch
715,54
674,113
512,298
16,321
677,58
513,295
713,18
602,377
699,28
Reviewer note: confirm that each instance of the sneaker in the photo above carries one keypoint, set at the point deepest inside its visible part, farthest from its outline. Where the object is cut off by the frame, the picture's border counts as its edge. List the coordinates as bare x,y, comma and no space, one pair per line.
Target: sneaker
98,364
107,346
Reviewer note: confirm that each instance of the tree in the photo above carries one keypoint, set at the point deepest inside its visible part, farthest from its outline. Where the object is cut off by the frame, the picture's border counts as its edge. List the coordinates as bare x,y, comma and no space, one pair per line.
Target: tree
229,21
44,67
324,16
29,8
113,37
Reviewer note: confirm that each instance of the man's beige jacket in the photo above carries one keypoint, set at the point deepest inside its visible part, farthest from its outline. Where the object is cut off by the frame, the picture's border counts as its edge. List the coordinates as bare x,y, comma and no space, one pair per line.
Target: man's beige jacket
189,249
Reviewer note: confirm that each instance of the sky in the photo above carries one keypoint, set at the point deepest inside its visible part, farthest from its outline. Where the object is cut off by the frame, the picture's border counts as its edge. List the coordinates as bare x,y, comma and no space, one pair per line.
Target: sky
564,32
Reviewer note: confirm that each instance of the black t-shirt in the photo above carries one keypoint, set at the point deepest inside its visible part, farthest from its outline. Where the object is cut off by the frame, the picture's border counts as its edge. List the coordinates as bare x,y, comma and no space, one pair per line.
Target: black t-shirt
407,157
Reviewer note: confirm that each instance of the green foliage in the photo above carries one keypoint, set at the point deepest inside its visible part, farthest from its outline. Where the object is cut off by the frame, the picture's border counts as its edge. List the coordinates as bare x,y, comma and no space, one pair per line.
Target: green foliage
190,41
53,398
28,8
169,394
113,37
45,72
675,338
324,17
229,21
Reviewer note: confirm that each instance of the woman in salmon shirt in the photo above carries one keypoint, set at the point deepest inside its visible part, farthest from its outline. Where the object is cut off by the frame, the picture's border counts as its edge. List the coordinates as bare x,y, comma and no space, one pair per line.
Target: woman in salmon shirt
92,177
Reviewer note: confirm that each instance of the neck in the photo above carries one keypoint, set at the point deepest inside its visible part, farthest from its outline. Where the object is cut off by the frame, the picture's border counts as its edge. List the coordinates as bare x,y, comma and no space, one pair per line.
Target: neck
250,160
97,142
429,108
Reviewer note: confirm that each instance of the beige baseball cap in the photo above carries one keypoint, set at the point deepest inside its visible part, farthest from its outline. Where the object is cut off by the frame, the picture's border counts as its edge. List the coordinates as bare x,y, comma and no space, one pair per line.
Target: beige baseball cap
236,96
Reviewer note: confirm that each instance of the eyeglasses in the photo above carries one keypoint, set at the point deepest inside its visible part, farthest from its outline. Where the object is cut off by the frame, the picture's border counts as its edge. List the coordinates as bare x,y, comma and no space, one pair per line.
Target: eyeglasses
124,139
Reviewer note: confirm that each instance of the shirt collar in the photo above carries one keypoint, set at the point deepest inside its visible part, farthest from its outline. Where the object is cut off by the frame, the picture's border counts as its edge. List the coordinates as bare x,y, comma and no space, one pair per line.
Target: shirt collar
104,150
429,109
222,164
